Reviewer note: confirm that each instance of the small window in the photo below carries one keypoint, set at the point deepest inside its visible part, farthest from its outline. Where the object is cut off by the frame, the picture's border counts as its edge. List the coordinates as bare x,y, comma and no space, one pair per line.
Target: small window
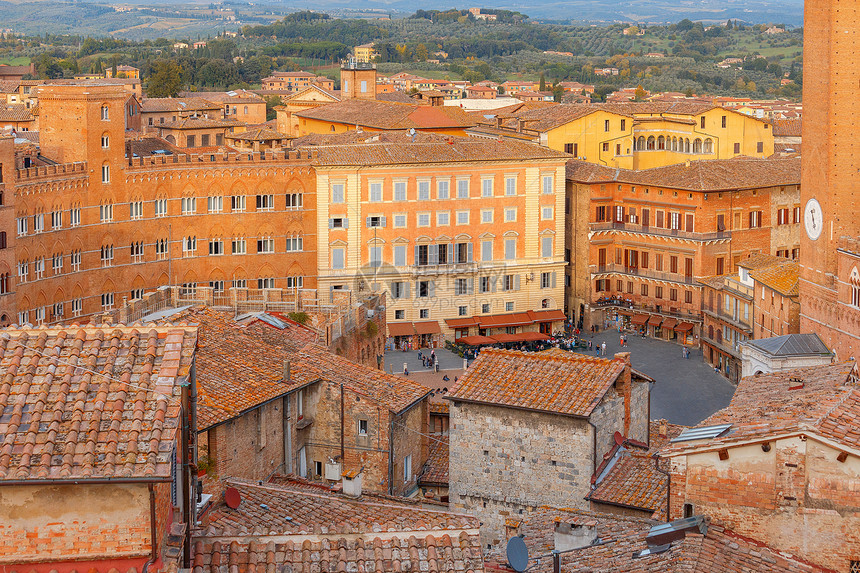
362,427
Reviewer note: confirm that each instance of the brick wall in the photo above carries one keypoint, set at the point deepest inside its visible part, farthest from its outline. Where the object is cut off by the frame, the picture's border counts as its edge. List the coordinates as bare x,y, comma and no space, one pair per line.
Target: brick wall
250,446
796,497
504,461
74,522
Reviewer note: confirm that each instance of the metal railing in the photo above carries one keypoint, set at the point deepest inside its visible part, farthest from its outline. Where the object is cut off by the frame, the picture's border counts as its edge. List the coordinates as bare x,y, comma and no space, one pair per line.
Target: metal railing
645,273
659,231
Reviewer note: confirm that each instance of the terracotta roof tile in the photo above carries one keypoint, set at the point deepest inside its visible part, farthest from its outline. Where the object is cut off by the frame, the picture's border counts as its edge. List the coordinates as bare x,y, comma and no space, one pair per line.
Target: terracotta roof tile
197,123
240,367
15,113
702,175
781,277
185,104
436,469
261,134
826,402
632,480
390,115
717,551
392,392
550,381
787,127
455,150
309,531
59,420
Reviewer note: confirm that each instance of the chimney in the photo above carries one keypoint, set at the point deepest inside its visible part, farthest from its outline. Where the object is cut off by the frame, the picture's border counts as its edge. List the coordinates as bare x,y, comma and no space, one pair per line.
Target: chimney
352,483
569,536
287,373
664,429
623,385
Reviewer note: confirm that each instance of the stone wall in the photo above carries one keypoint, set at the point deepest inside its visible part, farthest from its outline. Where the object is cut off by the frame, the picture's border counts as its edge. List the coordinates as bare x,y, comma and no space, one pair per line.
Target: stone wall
505,461
795,497
410,438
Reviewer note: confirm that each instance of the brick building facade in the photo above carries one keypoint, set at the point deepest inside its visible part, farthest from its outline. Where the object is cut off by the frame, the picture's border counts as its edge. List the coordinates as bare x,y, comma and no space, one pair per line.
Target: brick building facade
830,255
650,235
530,429
780,464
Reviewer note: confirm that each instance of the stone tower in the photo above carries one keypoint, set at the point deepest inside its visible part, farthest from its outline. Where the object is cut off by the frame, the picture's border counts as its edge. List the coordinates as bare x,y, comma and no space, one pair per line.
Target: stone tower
357,80
830,184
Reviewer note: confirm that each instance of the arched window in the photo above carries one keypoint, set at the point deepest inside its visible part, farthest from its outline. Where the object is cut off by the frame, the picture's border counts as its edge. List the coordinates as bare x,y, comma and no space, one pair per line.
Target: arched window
651,142
709,145
719,336
711,332
697,145
105,113
661,143
687,145
640,143
674,144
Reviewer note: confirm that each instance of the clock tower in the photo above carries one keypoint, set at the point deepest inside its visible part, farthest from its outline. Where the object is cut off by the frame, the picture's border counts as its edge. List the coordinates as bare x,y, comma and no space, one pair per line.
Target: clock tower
830,179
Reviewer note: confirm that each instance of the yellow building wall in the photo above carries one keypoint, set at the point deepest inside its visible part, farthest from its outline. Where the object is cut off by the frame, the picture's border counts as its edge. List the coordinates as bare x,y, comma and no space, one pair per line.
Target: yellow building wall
597,145
308,126
589,133
528,229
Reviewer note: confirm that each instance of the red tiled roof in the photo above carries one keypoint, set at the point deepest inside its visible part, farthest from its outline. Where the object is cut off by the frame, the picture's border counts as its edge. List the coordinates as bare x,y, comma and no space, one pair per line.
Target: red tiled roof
717,551
787,127
551,381
632,480
781,277
827,403
436,468
455,150
15,113
239,367
389,115
392,392
703,175
185,104
61,417
310,531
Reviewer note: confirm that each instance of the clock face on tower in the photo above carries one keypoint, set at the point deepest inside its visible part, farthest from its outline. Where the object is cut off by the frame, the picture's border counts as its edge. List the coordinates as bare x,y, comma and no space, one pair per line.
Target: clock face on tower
813,220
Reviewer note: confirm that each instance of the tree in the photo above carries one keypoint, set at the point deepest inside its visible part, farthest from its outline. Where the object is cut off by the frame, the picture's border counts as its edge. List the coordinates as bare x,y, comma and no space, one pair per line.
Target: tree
421,53
542,86
557,93
640,93
166,79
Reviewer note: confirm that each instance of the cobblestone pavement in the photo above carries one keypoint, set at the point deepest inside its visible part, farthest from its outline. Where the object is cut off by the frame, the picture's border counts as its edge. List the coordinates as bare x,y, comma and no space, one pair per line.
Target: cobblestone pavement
686,391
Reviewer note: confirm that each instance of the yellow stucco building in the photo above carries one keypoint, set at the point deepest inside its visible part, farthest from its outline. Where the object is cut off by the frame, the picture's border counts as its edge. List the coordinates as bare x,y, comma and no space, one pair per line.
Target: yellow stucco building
636,135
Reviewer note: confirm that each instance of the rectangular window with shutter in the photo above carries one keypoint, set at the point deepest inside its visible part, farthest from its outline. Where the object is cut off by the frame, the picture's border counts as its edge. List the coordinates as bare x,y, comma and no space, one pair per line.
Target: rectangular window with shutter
423,190
399,255
510,249
546,246
688,222
660,219
337,259
487,250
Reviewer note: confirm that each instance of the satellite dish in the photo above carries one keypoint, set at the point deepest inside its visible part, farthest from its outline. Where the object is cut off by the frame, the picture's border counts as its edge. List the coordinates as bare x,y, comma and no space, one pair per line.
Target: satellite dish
518,554
619,438
412,131
232,498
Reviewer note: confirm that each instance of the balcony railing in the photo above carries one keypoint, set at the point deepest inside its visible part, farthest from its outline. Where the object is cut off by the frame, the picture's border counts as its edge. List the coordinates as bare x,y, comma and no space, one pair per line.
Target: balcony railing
640,272
659,231
626,303
731,318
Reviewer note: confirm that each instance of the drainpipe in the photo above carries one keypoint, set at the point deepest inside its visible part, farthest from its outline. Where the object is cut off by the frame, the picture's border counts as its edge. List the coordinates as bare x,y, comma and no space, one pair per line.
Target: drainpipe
668,484
390,456
593,446
342,449
152,530
288,438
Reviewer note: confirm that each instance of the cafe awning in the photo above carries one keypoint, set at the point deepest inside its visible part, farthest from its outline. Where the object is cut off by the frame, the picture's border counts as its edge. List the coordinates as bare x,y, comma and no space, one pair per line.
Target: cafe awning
428,327
400,329
505,320
670,323
625,312
533,336
547,315
684,327
462,323
639,319
475,340
506,338
655,320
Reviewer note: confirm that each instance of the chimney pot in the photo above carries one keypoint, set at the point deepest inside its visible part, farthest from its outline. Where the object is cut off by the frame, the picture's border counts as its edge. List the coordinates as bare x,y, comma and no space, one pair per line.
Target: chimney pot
287,372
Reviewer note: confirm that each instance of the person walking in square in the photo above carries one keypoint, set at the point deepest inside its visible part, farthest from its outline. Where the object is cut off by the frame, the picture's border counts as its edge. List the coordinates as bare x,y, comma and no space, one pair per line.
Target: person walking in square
603,349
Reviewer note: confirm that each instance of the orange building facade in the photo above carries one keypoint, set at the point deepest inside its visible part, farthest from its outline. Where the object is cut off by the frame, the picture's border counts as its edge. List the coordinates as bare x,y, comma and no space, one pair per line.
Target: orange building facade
830,244
99,228
649,237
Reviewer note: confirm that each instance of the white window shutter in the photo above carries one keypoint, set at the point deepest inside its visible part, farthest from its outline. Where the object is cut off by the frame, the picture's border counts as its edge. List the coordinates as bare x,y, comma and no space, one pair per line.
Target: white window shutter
382,221
471,286
469,256
346,223
553,279
406,290
516,282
